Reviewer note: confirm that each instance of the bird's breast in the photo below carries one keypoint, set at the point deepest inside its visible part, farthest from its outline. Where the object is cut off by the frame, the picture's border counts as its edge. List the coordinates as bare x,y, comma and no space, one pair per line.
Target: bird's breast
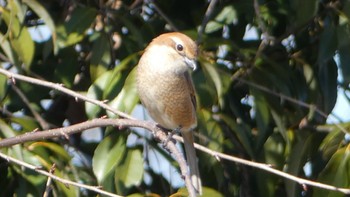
167,99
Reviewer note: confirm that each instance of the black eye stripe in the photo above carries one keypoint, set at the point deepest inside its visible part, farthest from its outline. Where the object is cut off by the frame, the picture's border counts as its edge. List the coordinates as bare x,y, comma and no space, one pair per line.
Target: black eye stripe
179,47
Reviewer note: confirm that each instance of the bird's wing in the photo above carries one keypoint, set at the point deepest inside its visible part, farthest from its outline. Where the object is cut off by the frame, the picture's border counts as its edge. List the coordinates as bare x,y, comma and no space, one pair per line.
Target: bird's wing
191,89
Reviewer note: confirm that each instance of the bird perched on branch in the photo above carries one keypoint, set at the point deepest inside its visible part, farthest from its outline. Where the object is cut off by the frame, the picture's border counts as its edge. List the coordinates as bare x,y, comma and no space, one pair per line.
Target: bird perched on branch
166,90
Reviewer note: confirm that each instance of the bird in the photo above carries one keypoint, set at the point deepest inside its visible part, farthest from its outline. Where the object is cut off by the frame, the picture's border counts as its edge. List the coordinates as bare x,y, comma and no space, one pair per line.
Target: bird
166,90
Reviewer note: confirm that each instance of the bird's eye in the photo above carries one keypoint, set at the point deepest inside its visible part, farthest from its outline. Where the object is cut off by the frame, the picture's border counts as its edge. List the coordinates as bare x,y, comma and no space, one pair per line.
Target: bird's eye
179,47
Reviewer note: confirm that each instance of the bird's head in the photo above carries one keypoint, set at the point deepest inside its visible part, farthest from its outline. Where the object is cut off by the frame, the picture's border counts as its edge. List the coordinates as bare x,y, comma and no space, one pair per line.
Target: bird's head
173,52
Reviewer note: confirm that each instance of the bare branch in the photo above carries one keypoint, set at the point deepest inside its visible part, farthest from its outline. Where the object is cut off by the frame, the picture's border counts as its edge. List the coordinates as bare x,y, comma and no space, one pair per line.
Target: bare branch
60,88
44,125
54,177
162,14
77,128
267,168
290,99
49,181
205,20
66,131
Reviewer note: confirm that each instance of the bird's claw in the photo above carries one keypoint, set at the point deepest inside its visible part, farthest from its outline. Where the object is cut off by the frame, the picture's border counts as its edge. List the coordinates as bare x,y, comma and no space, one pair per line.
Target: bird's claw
170,136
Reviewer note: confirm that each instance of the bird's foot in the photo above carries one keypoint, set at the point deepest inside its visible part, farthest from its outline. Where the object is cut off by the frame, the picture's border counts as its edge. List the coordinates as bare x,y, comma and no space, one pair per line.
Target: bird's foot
170,136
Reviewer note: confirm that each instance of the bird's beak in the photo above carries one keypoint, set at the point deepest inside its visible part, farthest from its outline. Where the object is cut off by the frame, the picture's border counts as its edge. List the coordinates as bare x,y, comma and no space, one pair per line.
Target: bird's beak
191,63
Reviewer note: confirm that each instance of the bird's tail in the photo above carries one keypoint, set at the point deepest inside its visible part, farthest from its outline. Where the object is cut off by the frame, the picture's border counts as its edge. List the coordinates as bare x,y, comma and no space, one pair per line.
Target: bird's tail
192,161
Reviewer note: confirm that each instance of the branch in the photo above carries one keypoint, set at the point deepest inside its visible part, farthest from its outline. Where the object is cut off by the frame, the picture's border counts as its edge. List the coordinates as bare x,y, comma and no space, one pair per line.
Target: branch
266,167
162,14
76,128
41,121
48,174
206,18
80,127
48,187
290,99
59,87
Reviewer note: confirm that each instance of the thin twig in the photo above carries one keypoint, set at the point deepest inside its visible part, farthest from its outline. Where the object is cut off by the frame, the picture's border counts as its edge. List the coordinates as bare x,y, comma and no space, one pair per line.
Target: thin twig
205,20
290,99
59,87
44,125
266,167
48,187
54,177
162,14
69,130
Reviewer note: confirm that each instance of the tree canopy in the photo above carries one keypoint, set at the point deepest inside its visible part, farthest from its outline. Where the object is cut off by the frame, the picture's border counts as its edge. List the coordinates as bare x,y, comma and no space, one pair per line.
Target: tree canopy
269,73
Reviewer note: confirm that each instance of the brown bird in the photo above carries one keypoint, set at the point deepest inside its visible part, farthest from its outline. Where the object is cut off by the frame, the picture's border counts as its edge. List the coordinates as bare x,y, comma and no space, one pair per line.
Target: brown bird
166,90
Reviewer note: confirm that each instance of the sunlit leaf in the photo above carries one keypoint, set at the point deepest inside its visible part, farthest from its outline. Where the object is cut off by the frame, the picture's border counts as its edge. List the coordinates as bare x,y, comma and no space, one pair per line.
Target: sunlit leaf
57,149
3,86
227,16
336,173
95,91
8,50
26,122
130,171
128,97
221,80
108,155
207,192
20,38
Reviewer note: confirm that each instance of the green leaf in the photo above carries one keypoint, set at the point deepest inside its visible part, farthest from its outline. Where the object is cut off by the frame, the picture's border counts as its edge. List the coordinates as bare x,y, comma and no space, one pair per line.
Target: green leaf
344,60
328,42
8,50
262,115
57,149
73,31
115,85
297,160
108,155
67,67
128,97
328,83
211,129
207,192
227,16
336,173
20,38
27,123
100,58
3,86
221,80
130,172
110,86
44,15
96,90
332,143
305,10
242,131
